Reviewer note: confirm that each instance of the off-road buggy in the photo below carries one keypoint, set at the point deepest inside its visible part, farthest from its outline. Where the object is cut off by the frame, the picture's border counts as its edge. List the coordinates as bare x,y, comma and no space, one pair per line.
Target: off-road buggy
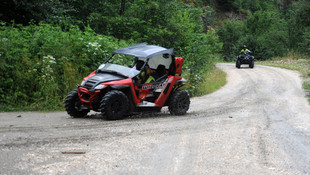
245,58
116,92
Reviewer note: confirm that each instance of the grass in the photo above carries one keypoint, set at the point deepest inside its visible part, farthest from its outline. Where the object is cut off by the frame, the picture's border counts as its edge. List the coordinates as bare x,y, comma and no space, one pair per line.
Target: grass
293,62
213,80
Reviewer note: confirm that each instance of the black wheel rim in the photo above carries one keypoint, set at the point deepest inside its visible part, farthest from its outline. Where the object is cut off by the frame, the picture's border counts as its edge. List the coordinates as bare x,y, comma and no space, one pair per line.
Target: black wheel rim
77,105
182,103
116,106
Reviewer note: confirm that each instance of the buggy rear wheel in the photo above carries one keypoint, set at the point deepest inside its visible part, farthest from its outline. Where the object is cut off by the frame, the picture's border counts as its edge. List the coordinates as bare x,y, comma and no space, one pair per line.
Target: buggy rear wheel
114,105
179,102
73,105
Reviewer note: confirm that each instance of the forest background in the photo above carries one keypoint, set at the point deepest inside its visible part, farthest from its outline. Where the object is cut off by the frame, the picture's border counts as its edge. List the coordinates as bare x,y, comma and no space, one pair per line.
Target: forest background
46,47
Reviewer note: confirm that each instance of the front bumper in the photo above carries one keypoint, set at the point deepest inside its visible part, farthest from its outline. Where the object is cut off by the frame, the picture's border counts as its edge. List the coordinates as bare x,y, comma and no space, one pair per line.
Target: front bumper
87,97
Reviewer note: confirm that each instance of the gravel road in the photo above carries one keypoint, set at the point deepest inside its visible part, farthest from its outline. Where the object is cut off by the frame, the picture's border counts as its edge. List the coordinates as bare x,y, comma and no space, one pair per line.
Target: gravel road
258,123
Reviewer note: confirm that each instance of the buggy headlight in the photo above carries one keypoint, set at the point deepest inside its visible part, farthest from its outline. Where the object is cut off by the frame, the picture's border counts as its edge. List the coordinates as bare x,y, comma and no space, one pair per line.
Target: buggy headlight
100,86
83,83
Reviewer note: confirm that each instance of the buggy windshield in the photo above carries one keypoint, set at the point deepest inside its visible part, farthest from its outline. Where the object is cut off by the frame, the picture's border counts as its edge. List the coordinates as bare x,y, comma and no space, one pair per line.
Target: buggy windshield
116,69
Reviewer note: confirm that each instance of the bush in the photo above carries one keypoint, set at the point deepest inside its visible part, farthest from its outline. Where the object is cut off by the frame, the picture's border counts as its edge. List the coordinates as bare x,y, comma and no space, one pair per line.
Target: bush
42,63
196,47
298,25
264,32
232,36
199,58
304,44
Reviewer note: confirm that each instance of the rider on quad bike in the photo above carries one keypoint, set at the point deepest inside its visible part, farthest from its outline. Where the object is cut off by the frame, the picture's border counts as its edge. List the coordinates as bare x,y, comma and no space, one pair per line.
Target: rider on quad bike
118,91
245,57
244,50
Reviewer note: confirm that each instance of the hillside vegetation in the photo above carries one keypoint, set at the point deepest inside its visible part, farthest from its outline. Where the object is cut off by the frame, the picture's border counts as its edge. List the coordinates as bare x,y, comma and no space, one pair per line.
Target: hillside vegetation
270,28
46,47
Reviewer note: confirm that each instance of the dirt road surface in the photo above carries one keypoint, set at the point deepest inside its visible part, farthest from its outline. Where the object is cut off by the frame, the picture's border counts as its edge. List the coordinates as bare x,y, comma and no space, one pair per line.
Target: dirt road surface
258,123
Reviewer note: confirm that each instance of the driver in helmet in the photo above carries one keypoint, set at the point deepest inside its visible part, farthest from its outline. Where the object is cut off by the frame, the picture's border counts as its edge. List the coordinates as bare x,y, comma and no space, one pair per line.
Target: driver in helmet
145,76
244,50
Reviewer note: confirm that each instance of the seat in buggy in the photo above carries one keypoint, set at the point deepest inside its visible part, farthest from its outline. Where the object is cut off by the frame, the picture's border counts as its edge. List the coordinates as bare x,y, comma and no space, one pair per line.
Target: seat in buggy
159,72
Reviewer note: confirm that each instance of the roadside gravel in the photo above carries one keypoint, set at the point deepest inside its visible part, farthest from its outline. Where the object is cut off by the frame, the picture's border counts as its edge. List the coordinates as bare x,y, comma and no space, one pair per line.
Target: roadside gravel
258,123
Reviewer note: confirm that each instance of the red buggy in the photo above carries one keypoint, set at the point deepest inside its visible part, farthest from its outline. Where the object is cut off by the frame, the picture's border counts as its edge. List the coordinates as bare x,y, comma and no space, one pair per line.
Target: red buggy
116,91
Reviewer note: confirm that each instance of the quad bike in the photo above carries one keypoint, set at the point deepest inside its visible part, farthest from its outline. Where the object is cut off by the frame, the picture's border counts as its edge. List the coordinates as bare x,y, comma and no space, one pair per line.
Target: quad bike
245,58
116,92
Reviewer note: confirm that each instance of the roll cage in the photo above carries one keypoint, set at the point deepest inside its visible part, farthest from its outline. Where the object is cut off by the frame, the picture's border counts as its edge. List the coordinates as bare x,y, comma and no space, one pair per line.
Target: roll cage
152,55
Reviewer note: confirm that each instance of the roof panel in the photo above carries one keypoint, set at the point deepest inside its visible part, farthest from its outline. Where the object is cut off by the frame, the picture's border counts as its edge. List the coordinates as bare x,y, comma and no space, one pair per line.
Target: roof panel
143,50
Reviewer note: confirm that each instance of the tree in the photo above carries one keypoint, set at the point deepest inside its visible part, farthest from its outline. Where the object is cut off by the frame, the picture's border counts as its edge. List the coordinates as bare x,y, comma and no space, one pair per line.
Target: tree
298,23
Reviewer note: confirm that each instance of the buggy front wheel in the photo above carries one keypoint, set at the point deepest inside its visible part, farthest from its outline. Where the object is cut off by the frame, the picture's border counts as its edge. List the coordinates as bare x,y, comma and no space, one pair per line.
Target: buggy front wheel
114,105
74,106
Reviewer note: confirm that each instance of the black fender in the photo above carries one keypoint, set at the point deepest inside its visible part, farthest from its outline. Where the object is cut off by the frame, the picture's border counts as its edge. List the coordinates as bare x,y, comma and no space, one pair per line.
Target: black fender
119,87
179,83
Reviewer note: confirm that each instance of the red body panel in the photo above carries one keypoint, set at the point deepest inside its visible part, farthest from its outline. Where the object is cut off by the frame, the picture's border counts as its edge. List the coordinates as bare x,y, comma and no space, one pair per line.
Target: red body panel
127,81
179,63
143,92
166,90
91,74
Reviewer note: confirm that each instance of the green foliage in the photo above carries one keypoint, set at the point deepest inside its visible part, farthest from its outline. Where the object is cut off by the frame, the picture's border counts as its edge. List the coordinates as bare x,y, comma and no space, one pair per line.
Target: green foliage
231,35
227,5
249,6
304,44
270,30
40,64
299,24
213,80
169,24
264,32
65,40
43,62
196,47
